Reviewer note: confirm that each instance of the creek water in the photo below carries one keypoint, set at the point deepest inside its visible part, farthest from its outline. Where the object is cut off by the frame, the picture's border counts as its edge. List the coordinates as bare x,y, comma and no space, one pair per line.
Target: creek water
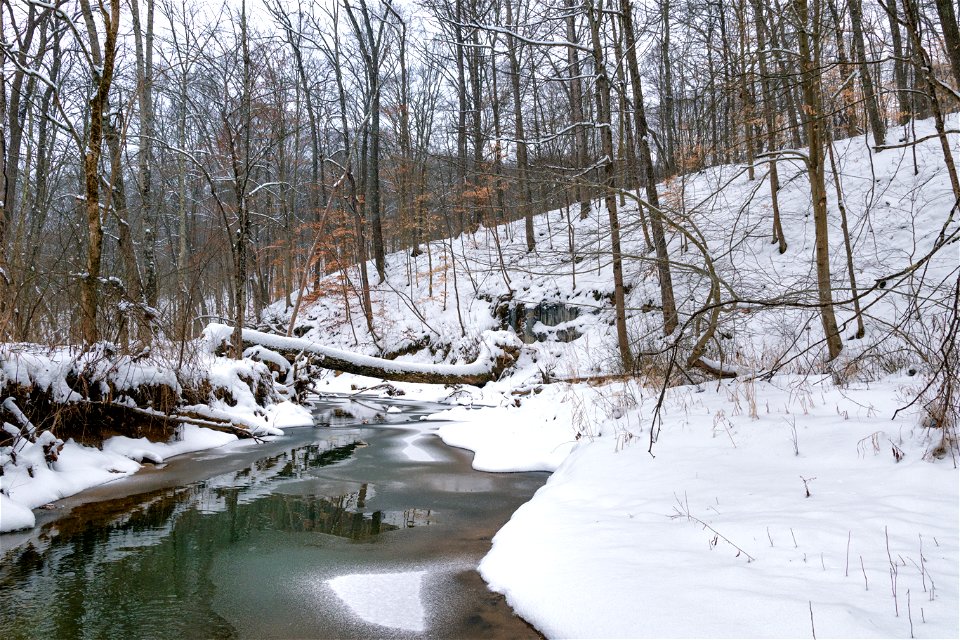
347,531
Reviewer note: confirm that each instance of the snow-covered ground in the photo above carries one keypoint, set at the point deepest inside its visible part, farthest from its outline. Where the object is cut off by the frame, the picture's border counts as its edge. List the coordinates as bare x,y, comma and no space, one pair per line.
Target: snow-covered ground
711,533
788,505
32,483
794,505
714,534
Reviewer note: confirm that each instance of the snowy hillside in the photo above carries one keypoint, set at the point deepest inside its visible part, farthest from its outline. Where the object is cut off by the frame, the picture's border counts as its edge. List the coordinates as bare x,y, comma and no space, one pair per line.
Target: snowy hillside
784,505
456,289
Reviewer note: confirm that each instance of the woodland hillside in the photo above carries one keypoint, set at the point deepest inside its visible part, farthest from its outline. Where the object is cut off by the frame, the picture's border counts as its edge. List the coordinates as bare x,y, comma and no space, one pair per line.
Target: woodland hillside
689,190
698,260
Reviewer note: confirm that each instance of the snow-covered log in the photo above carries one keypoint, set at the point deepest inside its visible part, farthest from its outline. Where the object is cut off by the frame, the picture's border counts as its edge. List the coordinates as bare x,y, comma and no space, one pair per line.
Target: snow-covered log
498,351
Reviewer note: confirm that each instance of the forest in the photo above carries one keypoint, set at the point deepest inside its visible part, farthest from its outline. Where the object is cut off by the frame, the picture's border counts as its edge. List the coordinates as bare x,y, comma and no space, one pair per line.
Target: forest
172,163
594,220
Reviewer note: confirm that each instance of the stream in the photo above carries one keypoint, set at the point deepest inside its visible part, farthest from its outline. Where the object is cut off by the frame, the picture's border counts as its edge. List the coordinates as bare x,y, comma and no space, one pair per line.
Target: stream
366,528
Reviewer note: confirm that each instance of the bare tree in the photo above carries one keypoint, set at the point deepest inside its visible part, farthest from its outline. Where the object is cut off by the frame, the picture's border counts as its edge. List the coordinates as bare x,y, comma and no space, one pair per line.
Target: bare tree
371,46
103,59
514,48
870,95
602,95
667,300
808,25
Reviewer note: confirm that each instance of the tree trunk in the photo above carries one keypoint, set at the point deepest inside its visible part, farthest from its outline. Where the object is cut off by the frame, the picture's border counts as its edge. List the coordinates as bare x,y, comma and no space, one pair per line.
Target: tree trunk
475,65
770,118
118,200
848,248
850,116
10,143
595,15
144,56
461,112
925,66
785,64
628,142
809,42
495,357
498,178
870,97
951,35
523,162
670,161
577,111
647,176
370,49
899,64
103,77
241,175
746,96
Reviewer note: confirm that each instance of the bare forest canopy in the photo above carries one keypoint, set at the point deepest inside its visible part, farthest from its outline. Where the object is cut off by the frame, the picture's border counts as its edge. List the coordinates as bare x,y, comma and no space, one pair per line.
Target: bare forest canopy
168,163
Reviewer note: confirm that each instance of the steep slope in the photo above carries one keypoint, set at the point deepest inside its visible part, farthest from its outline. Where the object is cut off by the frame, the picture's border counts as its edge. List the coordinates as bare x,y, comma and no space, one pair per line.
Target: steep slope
897,208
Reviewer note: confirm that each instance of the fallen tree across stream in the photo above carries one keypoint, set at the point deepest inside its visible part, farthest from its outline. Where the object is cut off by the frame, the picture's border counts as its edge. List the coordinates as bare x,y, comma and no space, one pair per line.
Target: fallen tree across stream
498,350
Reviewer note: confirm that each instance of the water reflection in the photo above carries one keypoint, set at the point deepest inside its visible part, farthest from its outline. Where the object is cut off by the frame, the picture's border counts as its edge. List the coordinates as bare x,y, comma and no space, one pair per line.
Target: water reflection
140,566
252,553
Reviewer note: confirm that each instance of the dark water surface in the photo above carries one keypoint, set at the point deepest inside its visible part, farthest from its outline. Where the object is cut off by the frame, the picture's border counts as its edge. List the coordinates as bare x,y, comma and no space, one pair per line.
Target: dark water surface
242,542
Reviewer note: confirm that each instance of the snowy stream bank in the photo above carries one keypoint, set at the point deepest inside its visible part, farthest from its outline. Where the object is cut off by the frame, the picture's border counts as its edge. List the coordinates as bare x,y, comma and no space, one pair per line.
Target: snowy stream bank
366,528
715,535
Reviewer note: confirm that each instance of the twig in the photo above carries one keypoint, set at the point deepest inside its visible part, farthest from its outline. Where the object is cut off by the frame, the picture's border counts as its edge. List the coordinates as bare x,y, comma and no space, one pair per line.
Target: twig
866,585
846,570
893,573
909,615
686,514
813,629
893,587
886,534
923,572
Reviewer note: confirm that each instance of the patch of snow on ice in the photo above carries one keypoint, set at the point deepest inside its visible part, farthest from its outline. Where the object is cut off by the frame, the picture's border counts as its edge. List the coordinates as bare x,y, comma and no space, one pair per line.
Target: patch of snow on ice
386,599
415,452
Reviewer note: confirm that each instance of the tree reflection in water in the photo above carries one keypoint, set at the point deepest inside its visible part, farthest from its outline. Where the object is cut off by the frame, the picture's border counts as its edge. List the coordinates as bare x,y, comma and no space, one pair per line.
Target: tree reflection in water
108,566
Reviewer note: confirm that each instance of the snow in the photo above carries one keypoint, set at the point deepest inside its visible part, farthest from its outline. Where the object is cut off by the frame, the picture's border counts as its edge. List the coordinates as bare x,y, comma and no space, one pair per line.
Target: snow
489,350
287,414
235,399
606,549
385,599
80,467
31,482
243,392
190,438
534,436
128,374
414,452
14,515
712,534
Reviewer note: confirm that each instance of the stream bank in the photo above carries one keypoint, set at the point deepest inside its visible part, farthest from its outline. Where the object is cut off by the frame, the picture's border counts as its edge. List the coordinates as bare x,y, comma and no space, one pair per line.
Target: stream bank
348,531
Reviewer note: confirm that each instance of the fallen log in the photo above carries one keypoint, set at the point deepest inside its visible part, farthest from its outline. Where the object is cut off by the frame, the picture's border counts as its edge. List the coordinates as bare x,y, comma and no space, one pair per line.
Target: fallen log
191,417
714,368
498,351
